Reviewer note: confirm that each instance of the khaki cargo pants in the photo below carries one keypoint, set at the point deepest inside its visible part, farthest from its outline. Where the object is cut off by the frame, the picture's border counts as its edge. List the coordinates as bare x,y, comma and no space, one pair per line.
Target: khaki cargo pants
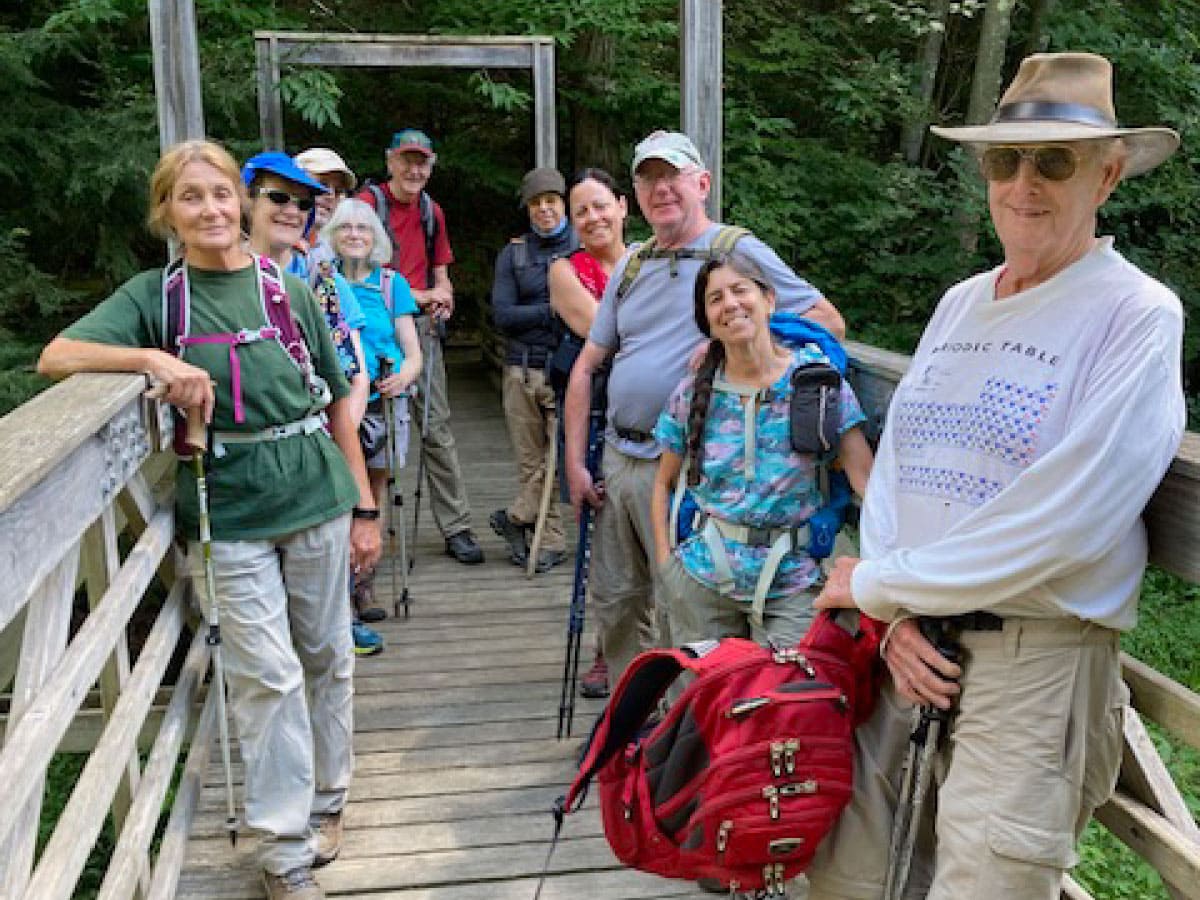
1034,747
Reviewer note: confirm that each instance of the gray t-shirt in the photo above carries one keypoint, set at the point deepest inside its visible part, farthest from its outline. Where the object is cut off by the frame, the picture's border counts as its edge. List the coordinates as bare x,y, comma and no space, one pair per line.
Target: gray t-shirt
655,332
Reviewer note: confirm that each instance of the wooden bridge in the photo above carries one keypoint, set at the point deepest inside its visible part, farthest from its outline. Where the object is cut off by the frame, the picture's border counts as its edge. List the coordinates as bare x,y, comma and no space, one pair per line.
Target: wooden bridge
456,759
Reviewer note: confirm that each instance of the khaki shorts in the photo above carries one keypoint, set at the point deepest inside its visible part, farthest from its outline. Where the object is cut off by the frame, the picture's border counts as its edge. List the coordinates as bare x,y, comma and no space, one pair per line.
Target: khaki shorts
1034,747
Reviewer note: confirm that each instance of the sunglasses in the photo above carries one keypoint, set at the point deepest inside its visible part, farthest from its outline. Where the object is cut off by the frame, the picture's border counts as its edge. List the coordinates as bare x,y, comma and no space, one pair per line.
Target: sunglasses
1051,163
283,198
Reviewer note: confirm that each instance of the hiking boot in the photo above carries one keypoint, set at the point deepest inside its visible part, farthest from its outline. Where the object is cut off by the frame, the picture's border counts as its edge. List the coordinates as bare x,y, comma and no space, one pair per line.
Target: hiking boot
367,641
463,548
363,598
548,559
513,534
712,886
594,684
298,884
329,838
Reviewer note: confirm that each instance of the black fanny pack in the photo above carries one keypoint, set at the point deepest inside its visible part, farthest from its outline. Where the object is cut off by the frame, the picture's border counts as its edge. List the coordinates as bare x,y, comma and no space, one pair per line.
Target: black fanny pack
816,410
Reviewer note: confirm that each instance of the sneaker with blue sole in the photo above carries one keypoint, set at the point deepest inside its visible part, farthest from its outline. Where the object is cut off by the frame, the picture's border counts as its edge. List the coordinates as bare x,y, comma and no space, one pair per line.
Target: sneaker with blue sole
367,641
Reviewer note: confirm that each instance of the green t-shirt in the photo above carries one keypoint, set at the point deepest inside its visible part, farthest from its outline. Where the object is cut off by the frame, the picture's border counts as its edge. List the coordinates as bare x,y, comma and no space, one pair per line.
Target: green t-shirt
260,490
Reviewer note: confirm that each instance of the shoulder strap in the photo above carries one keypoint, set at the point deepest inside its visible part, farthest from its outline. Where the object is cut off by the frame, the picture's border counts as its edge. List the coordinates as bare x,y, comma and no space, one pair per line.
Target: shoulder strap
176,305
278,310
429,226
387,280
383,210
636,696
520,253
726,239
640,255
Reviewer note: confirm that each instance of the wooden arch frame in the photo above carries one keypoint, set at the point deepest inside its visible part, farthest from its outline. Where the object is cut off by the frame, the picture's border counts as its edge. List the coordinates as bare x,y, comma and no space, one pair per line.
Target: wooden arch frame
535,53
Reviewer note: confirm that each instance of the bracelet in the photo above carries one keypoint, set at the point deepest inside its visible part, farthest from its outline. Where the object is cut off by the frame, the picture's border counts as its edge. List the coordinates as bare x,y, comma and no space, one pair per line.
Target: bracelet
360,513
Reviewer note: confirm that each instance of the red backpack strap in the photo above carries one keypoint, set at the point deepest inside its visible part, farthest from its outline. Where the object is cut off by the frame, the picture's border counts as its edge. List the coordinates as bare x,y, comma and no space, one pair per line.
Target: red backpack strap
636,697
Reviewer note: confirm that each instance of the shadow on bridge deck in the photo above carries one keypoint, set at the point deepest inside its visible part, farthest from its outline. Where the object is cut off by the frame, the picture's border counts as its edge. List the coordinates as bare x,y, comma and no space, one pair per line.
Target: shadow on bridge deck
456,761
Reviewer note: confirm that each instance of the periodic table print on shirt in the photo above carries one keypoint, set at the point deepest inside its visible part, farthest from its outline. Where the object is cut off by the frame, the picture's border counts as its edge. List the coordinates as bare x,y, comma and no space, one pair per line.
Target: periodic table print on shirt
1001,423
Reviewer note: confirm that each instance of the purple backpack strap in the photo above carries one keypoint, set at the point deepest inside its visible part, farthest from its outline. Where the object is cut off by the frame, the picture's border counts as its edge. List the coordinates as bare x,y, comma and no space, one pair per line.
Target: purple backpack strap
278,310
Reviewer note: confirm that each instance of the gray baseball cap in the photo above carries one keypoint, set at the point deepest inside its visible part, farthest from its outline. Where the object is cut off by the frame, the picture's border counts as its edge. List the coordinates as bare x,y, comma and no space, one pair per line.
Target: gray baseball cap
672,147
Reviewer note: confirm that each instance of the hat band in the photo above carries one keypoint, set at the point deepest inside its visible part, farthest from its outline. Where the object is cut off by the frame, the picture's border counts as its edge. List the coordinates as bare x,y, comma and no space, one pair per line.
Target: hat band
1041,111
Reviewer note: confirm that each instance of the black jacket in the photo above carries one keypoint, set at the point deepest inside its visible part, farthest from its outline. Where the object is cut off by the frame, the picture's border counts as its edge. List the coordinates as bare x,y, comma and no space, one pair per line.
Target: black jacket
521,296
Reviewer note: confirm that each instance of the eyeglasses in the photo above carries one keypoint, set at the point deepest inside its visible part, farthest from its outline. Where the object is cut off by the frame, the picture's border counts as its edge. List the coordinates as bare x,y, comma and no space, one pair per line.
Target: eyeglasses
361,227
669,178
283,198
1051,163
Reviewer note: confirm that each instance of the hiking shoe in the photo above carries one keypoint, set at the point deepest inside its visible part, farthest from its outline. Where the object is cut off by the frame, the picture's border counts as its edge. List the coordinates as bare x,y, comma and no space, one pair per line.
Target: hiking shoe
367,641
462,547
712,886
363,597
329,838
548,559
513,534
298,884
594,684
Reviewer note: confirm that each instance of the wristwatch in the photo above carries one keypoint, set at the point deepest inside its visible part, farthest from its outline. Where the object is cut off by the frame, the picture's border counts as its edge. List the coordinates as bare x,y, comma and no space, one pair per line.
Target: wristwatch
360,513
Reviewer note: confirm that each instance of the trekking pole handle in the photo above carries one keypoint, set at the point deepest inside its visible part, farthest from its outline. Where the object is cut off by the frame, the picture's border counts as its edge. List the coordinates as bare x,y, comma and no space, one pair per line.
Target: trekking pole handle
196,434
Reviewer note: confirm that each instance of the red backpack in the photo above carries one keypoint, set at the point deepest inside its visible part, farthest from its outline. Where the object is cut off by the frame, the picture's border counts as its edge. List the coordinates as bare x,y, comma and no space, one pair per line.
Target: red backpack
749,769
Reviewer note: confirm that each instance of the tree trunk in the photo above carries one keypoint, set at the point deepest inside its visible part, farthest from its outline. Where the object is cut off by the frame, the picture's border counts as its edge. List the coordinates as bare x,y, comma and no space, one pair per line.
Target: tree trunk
989,61
597,138
1038,40
931,54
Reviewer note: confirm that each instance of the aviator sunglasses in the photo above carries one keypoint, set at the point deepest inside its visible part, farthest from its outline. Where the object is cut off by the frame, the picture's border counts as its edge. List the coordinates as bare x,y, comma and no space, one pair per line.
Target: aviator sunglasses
283,198
1051,163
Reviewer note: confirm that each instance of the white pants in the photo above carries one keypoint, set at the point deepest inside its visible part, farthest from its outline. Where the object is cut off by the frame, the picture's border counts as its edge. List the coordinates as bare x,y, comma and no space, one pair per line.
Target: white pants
289,663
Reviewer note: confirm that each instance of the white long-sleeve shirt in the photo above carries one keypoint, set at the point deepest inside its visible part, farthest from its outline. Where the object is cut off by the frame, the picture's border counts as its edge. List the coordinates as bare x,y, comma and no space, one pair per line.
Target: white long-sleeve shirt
1022,446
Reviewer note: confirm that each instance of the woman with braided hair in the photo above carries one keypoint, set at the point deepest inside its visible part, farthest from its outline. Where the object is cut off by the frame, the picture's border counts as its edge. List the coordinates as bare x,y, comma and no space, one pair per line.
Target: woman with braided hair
745,572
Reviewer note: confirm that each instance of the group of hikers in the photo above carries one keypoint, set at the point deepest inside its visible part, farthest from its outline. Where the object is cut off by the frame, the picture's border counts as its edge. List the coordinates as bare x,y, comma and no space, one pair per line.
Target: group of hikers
1038,415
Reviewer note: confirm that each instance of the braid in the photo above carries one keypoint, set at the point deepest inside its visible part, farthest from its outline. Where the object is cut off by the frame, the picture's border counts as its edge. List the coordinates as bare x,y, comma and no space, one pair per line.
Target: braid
698,413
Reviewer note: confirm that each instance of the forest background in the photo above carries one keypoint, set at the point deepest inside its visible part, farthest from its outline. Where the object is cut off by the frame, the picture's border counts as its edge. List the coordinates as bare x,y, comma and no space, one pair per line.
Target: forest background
827,154
827,158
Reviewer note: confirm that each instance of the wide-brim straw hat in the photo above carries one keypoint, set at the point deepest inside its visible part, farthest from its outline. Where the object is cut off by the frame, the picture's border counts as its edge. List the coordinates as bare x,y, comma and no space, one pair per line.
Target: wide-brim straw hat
1063,97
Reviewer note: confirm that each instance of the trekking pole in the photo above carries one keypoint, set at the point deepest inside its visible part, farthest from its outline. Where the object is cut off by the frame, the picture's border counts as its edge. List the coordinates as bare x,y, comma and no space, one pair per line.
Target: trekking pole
396,513
583,559
924,741
197,440
437,331
539,527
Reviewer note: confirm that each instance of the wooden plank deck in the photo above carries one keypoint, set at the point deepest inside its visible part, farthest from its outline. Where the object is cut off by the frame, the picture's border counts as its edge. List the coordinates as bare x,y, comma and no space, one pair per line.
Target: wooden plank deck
456,760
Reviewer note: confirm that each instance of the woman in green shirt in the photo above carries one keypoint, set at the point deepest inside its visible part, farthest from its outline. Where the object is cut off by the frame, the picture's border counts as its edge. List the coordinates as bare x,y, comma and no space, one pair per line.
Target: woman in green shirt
281,490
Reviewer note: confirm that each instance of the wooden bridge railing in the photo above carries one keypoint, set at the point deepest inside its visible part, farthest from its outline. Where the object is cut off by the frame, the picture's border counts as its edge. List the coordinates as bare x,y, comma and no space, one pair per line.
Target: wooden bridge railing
86,509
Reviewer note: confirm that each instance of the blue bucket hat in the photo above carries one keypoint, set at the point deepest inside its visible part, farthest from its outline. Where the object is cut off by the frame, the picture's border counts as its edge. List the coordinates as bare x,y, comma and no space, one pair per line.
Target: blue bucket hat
279,163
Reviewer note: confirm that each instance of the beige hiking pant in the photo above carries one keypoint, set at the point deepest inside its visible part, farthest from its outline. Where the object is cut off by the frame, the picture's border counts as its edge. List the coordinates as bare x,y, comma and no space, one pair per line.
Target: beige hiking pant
529,412
1034,747
289,664
447,489
621,579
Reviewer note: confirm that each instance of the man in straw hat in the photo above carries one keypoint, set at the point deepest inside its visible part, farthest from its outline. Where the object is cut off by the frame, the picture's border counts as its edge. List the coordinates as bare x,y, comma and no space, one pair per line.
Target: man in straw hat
1039,414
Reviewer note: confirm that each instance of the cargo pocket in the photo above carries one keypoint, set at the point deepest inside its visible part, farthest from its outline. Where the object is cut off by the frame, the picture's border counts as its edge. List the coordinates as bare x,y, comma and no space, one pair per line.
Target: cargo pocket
1027,843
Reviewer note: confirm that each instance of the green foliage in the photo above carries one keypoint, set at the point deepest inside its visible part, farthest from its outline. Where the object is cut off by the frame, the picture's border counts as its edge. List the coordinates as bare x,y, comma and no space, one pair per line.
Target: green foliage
314,94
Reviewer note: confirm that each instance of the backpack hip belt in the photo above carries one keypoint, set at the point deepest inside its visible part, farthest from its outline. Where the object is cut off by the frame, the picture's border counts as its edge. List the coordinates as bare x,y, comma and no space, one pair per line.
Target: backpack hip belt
782,541
308,425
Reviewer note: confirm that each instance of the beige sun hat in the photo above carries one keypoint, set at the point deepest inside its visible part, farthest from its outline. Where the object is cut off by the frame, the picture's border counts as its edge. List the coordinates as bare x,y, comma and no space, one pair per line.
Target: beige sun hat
1065,97
323,161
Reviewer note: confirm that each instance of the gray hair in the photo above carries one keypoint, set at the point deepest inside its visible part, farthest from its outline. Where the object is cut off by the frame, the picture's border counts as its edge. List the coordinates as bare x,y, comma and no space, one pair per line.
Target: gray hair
352,210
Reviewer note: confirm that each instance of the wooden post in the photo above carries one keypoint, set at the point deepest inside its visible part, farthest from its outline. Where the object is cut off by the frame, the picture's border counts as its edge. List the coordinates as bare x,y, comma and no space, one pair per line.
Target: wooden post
700,38
176,71
544,149
270,103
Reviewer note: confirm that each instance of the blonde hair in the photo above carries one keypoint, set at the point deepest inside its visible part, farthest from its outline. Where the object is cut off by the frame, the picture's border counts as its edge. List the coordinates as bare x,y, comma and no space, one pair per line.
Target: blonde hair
170,167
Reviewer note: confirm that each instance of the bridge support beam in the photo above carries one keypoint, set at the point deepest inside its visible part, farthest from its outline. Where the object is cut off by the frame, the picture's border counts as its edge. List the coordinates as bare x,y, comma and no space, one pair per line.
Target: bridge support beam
700,39
176,71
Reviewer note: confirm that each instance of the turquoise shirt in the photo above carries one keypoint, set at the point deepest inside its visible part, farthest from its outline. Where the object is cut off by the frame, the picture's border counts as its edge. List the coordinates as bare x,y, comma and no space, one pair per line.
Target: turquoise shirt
784,492
378,333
